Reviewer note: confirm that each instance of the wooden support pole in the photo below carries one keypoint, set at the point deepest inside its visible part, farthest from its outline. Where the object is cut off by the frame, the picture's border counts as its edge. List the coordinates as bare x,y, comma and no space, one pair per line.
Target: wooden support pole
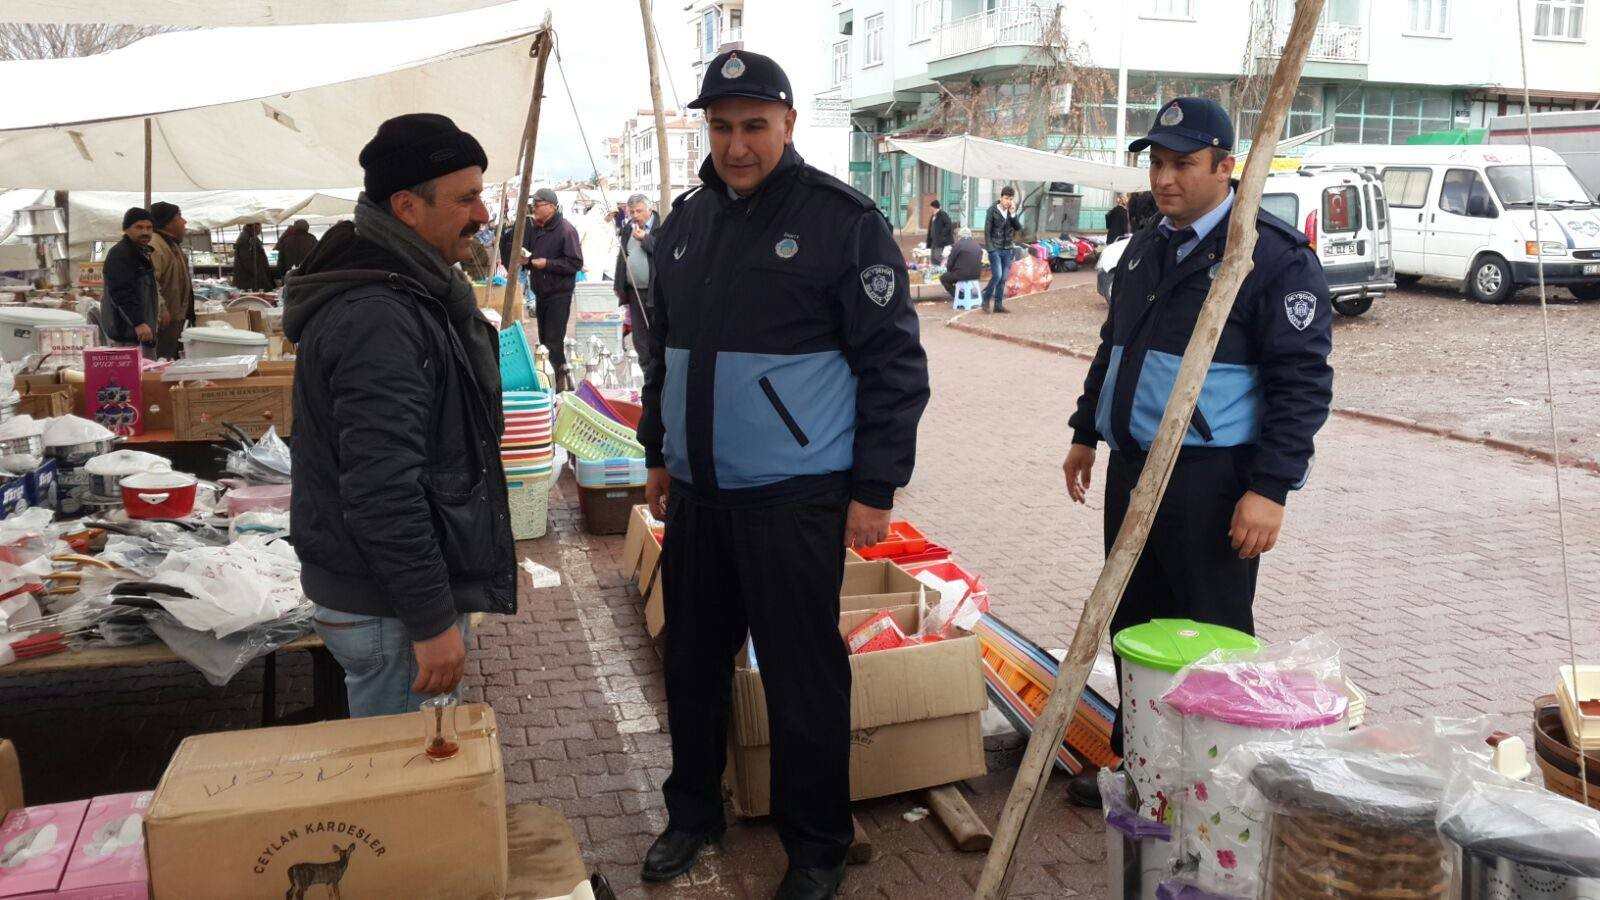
663,151
148,144
511,310
958,818
1028,788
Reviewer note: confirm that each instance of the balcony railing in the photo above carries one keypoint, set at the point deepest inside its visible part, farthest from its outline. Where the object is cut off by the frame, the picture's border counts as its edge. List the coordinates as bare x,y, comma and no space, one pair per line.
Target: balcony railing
1332,42
1019,26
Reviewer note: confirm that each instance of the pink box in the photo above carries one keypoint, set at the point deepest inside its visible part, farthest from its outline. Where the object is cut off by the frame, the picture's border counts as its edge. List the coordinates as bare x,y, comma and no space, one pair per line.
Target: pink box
112,393
108,860
35,844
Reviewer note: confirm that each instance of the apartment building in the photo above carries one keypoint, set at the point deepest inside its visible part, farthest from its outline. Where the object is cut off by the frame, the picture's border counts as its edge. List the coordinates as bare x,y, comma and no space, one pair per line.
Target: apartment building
637,161
1379,71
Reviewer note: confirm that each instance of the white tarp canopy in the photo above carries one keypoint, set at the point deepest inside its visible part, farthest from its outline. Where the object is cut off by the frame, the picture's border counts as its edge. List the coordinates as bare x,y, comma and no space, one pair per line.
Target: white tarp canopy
291,109
227,12
976,157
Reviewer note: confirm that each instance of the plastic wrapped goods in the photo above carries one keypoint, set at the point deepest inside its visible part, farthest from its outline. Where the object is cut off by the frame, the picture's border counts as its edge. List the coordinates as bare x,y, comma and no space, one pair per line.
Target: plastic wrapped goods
1515,840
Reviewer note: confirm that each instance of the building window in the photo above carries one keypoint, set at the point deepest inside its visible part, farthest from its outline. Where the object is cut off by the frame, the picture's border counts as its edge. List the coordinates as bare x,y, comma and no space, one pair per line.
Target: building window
1171,9
921,19
1381,115
841,63
1559,19
710,24
735,25
1429,17
874,49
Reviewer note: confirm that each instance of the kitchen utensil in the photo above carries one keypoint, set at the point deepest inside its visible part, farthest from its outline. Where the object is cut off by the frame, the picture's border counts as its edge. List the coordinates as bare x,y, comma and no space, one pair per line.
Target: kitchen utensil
159,495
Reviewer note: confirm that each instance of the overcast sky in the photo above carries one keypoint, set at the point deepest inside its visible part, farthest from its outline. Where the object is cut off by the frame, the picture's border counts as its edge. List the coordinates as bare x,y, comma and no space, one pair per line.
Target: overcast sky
602,51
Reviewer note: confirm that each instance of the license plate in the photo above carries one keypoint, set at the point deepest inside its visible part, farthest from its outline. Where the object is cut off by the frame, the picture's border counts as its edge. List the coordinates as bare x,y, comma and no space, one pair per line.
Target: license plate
1592,269
1341,249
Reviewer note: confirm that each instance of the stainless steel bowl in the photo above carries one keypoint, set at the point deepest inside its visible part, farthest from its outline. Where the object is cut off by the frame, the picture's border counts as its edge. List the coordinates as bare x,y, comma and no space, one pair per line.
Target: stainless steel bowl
78,454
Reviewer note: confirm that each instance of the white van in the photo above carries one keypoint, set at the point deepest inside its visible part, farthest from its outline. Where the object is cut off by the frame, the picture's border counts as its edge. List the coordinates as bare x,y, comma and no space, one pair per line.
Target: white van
1467,213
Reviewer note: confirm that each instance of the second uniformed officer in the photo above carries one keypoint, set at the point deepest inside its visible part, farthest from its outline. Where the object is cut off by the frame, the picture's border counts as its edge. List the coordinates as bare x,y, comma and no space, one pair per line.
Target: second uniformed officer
777,425
1267,393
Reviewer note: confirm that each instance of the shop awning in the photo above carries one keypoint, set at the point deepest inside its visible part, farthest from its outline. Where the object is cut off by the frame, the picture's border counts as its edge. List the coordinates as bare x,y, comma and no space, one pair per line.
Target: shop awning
977,157
228,12
277,108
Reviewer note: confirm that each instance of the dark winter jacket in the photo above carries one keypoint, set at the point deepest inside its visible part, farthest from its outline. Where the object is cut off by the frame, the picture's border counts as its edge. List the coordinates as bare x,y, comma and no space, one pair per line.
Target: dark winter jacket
555,241
793,362
1000,227
1116,223
251,270
941,233
966,260
294,248
1270,384
400,504
621,282
131,298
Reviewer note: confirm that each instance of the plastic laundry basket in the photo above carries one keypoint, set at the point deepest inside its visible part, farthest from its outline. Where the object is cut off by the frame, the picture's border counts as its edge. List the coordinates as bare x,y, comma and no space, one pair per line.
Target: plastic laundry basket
530,507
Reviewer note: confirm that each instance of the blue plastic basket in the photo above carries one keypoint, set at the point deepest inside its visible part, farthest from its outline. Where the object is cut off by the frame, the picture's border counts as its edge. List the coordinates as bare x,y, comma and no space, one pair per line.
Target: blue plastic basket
617,471
517,369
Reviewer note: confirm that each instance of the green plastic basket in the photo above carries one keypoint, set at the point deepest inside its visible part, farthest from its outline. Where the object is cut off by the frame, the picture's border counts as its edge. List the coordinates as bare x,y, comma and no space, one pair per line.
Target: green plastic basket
587,434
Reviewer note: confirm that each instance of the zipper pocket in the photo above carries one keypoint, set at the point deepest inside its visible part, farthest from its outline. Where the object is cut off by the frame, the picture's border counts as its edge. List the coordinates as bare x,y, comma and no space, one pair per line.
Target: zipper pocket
1198,420
783,412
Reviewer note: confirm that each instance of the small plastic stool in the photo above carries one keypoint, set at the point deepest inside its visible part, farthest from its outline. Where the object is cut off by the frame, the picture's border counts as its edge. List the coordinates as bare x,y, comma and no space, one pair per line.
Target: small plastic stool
968,295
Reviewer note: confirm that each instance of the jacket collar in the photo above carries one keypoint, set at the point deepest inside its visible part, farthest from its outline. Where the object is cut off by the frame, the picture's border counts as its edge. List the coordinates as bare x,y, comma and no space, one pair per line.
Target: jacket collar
788,165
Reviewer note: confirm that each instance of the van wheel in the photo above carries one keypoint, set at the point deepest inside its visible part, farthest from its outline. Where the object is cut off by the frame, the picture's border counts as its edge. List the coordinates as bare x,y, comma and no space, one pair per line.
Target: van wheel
1407,281
1490,280
1352,307
1585,291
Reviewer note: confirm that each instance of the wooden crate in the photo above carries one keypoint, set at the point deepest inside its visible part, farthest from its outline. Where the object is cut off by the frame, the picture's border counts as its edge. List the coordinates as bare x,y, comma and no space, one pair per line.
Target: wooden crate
254,404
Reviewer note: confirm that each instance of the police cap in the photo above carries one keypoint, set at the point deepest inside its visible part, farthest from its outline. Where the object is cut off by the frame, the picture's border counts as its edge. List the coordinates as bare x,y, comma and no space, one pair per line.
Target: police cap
740,73
1188,124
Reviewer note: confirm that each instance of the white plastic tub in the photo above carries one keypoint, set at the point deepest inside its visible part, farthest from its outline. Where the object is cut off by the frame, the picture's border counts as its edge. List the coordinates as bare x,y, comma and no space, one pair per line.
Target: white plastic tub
212,341
19,328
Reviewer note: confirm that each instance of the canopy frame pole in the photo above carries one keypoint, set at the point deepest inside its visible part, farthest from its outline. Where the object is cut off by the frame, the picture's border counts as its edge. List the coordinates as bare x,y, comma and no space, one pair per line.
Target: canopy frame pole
1034,773
663,152
149,144
511,310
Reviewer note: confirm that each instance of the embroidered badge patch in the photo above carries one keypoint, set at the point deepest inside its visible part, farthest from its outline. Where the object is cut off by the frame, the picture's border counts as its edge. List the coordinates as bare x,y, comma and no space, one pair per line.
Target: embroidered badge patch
678,253
1301,308
878,282
733,68
1172,115
787,248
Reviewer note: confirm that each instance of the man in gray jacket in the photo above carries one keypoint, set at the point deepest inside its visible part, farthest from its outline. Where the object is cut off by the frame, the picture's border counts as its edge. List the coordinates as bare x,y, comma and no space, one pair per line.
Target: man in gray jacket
631,281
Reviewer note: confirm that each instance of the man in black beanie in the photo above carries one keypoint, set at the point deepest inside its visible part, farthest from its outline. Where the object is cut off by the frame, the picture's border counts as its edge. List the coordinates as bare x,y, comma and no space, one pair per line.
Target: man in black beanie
128,309
174,282
400,510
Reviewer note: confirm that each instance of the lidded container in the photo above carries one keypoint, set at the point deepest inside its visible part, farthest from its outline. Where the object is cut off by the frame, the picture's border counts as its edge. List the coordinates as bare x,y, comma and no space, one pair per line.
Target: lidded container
212,341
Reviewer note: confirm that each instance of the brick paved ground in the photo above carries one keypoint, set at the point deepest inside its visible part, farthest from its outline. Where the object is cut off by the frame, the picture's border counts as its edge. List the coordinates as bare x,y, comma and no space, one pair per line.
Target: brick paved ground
1433,562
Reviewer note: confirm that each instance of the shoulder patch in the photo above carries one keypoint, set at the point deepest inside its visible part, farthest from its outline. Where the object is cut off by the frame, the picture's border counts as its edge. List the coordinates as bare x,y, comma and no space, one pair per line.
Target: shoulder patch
818,178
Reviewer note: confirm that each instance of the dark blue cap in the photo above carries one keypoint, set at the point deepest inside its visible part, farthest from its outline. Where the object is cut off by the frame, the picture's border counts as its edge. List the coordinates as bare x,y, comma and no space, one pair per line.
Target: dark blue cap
740,73
1188,124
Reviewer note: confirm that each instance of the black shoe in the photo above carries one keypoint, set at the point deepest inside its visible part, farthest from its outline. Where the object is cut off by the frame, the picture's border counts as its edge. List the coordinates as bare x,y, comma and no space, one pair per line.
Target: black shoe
1001,309
1084,790
810,884
675,852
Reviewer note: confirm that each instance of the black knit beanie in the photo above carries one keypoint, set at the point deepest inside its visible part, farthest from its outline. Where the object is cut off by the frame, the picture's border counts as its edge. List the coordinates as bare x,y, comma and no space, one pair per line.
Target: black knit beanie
162,212
135,214
411,149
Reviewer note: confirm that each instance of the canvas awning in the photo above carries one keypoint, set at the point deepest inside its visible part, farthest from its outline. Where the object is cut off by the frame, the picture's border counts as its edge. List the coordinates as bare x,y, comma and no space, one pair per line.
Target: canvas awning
977,157
227,12
291,109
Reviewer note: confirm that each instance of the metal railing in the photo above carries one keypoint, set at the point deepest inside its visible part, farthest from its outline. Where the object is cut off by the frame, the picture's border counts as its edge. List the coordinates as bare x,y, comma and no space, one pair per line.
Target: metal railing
1017,26
1332,42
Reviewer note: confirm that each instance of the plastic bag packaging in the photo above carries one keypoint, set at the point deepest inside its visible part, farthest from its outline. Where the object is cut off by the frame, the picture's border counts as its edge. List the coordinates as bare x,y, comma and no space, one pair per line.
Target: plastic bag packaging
1139,852
267,461
268,524
221,658
233,587
1524,840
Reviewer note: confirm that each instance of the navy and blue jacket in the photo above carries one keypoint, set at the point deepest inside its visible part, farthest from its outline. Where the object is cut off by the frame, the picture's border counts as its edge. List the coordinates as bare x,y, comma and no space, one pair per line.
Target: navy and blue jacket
1269,385
793,361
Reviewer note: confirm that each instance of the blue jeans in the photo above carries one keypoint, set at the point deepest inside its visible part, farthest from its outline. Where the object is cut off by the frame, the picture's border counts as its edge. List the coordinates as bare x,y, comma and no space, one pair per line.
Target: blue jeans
375,652
999,267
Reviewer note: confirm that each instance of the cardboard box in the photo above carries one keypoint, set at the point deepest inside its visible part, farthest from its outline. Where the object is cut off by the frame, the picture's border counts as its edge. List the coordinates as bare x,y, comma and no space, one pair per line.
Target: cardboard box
37,842
233,318
112,388
641,564
884,584
10,778
107,862
43,404
914,715
156,397
352,807
253,404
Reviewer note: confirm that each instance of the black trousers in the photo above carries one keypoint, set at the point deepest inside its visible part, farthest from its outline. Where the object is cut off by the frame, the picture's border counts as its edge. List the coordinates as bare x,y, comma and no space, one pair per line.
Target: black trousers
774,572
1189,569
552,313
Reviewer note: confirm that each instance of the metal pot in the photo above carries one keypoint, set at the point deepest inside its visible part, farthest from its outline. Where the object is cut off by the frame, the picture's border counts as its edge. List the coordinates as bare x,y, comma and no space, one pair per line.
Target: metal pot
1490,877
78,454
1514,842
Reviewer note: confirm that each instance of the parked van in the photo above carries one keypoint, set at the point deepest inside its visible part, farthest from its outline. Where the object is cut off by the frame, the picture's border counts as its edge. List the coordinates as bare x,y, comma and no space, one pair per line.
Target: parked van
1467,213
1343,213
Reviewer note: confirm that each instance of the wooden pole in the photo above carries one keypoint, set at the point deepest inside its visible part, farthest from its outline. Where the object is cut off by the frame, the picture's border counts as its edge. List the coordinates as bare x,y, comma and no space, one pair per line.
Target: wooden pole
663,152
511,310
1028,788
147,148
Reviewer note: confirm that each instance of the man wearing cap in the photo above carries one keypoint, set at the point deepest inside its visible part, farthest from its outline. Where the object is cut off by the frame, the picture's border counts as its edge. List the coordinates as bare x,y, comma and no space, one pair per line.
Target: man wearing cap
131,304
1250,441
174,282
778,422
399,512
553,257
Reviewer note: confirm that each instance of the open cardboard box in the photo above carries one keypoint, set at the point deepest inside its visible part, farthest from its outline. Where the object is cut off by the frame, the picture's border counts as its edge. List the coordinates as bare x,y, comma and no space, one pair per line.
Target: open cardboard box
641,564
914,711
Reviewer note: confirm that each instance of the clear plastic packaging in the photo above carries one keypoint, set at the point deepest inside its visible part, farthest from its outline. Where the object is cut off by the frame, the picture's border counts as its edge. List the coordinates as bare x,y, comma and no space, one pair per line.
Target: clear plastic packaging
232,588
266,461
1517,839
221,658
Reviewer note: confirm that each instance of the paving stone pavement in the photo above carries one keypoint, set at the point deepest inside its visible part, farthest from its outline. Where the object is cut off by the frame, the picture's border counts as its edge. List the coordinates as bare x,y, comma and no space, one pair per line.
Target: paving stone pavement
1433,563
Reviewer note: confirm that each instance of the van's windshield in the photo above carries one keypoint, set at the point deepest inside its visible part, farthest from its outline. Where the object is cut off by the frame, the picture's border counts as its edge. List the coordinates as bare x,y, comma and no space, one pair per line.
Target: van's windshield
1558,187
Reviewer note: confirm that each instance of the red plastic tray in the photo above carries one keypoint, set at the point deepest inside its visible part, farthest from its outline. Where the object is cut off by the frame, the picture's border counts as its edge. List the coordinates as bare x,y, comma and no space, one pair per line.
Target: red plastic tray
904,540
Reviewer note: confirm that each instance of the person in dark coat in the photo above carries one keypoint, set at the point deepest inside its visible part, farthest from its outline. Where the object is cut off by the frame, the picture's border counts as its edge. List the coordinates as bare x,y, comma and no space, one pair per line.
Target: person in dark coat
966,262
295,246
1142,211
399,507
941,233
1000,231
251,271
1117,219
553,257
632,277
131,303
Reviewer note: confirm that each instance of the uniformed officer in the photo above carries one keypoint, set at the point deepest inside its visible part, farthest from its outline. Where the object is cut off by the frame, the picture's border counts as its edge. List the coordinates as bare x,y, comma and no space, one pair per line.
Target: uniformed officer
777,425
1265,396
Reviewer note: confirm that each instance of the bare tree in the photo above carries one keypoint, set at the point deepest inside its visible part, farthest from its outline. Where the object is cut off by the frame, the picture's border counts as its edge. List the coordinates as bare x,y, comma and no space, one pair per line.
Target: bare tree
20,41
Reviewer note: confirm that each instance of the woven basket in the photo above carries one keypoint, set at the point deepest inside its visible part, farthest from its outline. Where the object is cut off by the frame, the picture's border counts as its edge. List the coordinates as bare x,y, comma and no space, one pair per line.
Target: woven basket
1316,855
589,435
530,507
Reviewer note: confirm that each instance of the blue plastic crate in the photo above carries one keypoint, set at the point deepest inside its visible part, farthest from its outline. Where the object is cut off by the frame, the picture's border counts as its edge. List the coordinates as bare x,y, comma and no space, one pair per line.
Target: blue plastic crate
518,371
